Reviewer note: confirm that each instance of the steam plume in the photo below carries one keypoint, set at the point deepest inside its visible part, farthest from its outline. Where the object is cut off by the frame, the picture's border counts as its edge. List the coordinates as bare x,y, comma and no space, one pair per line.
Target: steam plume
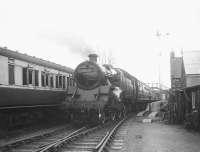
75,45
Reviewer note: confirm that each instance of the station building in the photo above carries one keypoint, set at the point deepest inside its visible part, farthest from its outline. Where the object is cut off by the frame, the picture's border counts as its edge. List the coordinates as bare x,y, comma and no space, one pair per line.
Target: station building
192,67
185,89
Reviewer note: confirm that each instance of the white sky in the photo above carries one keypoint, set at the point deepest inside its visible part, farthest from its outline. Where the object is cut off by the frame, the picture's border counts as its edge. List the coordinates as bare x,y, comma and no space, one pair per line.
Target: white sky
59,30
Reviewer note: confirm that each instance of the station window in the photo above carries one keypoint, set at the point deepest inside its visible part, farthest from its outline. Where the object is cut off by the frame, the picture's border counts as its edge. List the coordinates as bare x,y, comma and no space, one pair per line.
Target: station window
24,71
43,79
36,78
193,100
64,82
30,76
11,74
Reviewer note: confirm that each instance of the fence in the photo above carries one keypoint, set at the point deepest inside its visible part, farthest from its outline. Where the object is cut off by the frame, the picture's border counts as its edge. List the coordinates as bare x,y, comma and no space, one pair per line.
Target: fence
184,107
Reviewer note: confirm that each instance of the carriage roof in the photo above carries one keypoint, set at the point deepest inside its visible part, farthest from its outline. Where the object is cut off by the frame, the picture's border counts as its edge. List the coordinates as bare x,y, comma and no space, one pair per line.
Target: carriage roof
34,60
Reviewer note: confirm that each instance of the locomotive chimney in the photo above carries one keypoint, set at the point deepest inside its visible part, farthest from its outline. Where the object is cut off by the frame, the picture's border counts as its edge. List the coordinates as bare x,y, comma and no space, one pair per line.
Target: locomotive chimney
93,57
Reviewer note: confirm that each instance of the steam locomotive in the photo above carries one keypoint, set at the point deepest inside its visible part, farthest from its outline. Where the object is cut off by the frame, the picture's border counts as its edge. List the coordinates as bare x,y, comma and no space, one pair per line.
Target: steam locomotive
103,92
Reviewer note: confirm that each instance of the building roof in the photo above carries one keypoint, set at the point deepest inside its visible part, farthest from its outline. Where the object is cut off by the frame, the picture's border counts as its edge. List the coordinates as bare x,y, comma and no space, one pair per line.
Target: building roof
31,59
192,87
192,62
192,80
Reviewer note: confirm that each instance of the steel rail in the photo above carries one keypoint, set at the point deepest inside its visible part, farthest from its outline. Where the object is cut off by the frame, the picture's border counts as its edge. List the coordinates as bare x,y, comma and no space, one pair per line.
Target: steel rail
32,137
100,147
68,138
43,146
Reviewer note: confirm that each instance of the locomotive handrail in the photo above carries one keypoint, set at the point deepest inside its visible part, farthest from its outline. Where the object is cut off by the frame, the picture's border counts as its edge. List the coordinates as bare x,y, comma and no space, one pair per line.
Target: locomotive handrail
75,92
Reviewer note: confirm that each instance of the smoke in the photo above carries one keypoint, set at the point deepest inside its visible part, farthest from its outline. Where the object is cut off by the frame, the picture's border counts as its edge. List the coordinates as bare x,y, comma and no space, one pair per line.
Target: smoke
74,44
77,45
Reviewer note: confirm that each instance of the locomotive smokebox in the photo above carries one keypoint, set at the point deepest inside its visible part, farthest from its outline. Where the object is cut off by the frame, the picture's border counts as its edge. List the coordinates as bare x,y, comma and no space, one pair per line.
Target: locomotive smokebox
88,75
93,58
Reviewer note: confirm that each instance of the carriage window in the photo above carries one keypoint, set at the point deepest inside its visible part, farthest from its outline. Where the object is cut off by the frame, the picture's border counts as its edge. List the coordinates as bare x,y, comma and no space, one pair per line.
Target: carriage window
64,82
57,81
43,78
47,79
11,74
51,81
24,76
30,76
67,81
36,78
60,81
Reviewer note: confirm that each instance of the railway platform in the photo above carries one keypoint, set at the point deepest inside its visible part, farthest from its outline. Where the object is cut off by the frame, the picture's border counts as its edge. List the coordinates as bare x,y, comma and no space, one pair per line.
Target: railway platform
159,137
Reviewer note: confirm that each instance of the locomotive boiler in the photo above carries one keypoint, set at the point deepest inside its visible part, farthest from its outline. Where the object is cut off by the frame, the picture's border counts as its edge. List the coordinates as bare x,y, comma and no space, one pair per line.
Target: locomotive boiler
104,92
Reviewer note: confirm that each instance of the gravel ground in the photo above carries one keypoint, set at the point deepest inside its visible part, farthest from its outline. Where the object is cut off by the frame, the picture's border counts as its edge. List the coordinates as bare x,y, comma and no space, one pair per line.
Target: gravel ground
159,137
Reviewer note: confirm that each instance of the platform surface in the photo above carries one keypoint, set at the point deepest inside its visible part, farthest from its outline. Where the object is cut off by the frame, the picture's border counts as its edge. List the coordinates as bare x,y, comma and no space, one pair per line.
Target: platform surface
159,137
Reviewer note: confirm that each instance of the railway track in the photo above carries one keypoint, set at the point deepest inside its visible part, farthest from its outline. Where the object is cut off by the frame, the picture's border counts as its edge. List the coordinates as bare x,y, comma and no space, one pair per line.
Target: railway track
108,138
38,140
116,140
98,138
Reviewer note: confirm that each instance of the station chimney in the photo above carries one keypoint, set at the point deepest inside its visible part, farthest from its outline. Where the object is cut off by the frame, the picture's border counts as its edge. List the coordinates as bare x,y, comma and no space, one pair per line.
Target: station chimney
93,58
172,54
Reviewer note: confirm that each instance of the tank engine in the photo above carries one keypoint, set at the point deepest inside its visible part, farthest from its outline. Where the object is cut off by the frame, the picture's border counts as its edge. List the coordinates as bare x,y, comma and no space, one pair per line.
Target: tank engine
103,92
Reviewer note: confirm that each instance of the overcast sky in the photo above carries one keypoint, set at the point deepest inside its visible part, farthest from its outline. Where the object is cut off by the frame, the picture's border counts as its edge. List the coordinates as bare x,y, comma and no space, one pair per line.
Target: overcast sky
66,31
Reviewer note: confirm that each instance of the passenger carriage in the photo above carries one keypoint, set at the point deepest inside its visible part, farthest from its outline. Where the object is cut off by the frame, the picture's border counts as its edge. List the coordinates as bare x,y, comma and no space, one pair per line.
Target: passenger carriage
28,83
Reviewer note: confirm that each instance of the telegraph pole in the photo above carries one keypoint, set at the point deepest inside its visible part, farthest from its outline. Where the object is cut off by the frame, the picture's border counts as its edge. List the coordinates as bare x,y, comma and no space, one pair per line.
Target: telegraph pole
159,35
